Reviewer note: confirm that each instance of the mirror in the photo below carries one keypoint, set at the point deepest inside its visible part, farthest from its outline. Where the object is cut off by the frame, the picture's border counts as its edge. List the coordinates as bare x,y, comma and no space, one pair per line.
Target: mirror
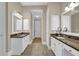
16,22
65,23
74,19
26,25
75,23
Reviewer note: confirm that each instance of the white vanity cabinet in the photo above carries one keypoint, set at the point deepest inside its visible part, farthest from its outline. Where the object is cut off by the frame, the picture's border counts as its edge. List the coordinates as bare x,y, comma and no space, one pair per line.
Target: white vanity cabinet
53,44
69,51
62,49
58,48
25,42
16,46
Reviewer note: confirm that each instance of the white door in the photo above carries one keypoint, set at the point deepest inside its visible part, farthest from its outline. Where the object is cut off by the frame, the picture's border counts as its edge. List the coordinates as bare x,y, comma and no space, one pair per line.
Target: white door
37,27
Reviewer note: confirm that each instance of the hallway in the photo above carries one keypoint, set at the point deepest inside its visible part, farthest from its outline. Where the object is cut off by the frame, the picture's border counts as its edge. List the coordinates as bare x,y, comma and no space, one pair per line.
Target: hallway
37,49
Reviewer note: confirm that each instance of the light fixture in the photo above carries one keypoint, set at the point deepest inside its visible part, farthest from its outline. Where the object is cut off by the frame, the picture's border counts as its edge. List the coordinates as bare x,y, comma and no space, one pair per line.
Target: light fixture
72,5
67,8
18,15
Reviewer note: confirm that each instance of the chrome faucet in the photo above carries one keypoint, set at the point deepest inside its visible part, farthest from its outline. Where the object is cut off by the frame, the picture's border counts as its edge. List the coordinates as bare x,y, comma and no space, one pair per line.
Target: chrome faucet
65,29
59,29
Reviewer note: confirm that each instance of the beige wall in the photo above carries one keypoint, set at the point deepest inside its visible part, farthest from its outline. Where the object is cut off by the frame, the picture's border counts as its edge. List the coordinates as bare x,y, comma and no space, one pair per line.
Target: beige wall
11,7
75,23
27,14
63,5
54,8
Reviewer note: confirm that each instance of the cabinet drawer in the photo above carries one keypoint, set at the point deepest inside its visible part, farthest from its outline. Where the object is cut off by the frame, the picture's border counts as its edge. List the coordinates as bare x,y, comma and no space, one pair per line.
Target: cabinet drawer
71,50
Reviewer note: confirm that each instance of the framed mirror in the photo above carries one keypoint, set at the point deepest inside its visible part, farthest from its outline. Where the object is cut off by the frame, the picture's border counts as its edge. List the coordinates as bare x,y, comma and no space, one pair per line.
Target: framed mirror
75,23
16,22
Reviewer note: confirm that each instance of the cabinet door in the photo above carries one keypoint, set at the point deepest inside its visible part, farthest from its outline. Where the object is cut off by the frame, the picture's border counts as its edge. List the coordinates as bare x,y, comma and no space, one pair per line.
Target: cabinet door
69,51
25,42
27,38
53,44
58,48
16,46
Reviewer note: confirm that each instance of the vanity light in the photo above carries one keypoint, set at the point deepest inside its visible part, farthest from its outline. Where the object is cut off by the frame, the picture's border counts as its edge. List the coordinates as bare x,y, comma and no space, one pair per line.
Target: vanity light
18,15
72,5
67,8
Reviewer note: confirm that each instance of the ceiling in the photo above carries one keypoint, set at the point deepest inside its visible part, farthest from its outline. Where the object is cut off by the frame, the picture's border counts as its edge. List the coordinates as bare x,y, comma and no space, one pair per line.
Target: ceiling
33,3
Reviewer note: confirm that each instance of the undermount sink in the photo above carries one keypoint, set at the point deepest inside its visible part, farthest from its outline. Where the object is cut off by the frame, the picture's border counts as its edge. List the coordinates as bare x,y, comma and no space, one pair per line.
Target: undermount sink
60,37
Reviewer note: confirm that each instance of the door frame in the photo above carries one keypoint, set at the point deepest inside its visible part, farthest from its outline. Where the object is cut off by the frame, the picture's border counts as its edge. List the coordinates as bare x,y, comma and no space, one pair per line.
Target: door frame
32,22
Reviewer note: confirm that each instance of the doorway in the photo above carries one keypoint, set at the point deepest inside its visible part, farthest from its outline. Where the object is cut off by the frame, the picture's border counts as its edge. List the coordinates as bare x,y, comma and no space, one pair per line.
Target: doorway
36,24
37,28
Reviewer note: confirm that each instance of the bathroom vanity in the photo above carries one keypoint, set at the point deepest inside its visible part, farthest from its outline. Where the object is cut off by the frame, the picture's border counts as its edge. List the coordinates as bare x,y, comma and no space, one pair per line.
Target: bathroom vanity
19,41
64,45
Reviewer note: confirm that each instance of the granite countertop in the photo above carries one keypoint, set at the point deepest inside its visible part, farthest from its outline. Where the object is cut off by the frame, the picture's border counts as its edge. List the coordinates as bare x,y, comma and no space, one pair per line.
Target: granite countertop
74,43
19,35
